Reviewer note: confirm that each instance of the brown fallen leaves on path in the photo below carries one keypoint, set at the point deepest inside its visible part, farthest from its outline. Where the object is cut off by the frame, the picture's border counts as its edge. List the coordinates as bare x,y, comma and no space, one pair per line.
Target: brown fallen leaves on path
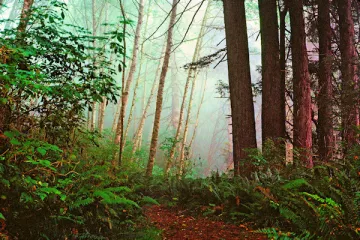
176,225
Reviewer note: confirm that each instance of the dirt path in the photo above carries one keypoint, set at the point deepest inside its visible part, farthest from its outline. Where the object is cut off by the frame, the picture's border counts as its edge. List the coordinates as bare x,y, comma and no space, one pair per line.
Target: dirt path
176,225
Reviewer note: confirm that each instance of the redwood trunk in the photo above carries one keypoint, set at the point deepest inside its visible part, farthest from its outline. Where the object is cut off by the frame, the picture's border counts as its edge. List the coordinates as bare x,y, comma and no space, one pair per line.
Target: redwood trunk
273,86
326,142
241,97
301,80
349,73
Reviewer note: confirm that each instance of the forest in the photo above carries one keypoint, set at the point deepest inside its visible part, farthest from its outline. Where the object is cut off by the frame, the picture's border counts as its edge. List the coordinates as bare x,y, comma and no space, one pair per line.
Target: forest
179,119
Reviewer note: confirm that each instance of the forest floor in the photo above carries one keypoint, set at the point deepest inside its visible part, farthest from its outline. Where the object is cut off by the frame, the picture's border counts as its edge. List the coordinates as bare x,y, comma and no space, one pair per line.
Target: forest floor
177,224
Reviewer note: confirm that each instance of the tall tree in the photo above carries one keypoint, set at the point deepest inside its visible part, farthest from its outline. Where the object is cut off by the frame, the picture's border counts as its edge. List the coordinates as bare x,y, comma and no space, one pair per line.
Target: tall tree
301,81
192,74
242,107
25,13
273,86
326,142
125,95
92,119
349,99
159,98
139,131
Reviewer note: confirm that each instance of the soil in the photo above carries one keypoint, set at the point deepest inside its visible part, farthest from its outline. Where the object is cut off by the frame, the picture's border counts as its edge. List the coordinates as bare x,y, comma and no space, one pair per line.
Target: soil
177,225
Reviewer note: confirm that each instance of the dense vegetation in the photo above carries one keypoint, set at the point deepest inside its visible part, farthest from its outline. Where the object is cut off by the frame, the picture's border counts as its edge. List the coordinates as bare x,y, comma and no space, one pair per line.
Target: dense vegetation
65,175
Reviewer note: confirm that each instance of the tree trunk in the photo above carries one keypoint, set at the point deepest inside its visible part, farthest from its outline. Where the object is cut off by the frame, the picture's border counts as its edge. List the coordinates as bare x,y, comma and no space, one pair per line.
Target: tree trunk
25,13
120,124
349,99
186,126
283,13
125,95
94,31
133,102
191,72
138,134
103,104
101,119
273,86
194,77
242,108
159,100
326,141
301,79
197,117
175,96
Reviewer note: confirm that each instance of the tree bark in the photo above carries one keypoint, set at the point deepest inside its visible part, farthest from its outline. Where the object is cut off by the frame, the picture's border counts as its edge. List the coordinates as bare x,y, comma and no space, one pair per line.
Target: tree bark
197,116
349,99
159,99
125,95
273,86
25,13
190,76
133,102
241,97
175,96
301,79
326,141
138,134
194,74
186,126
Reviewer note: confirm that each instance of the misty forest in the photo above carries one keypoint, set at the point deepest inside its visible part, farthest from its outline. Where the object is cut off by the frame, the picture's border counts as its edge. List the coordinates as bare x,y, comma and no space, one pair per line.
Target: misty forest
179,119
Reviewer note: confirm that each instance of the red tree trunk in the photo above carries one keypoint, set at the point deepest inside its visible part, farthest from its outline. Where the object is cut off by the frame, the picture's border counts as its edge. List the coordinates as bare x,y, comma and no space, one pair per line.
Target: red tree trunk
273,86
349,98
301,80
242,107
326,142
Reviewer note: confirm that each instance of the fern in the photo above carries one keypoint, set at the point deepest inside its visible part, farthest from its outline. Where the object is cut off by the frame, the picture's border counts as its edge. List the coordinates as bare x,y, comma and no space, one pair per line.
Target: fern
121,189
81,202
297,183
149,200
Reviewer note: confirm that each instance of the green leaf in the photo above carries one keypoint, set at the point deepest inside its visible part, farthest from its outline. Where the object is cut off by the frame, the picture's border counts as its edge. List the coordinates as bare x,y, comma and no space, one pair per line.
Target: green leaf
2,216
50,190
9,134
14,141
41,150
3,101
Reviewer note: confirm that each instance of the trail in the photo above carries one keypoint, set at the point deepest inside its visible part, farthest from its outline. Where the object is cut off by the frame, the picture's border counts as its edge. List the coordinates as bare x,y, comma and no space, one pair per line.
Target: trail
177,225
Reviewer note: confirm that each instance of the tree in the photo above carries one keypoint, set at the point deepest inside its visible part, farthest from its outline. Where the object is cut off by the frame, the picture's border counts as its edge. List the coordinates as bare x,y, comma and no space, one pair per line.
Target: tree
159,98
326,142
301,81
349,99
125,95
139,131
273,86
92,119
242,108
25,13
5,110
192,75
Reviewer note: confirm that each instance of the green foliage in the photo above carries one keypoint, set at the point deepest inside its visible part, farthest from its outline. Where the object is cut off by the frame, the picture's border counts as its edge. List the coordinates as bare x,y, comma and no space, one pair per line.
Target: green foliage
80,197
49,165
51,74
285,202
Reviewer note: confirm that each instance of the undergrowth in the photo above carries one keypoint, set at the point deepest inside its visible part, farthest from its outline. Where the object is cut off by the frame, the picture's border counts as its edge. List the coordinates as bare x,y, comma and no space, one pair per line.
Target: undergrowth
283,202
